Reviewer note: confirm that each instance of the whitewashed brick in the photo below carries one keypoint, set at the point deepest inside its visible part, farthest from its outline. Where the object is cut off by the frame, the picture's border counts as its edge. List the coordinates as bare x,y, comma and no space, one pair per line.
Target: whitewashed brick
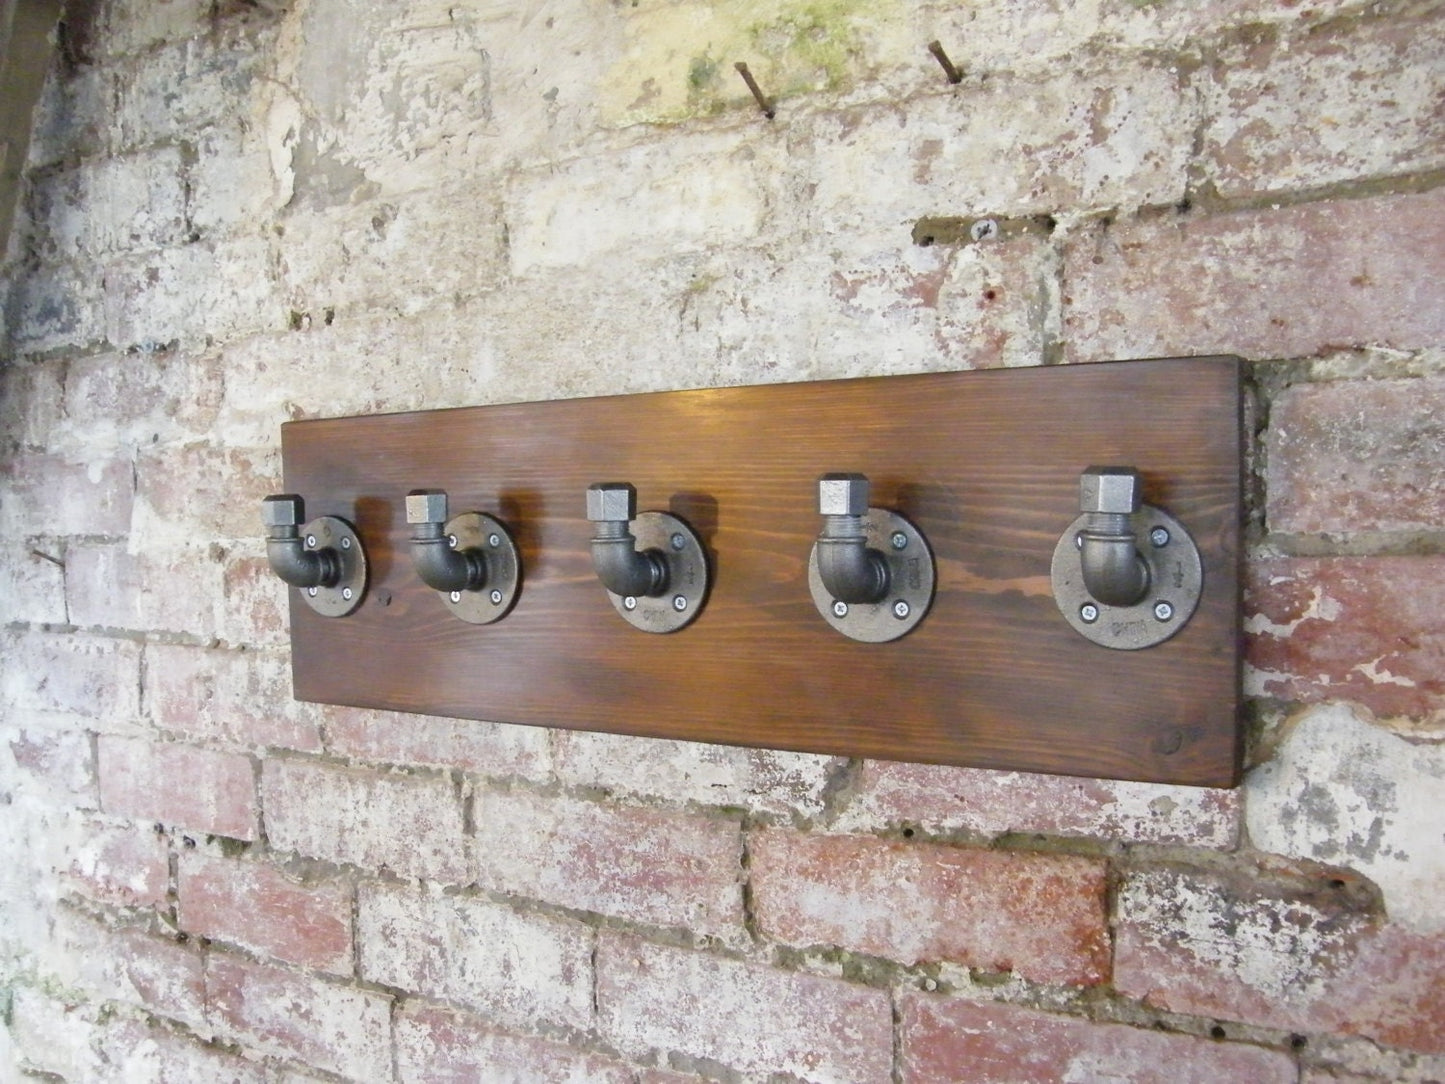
344,257
512,967
664,869
196,494
231,182
1346,793
236,697
1351,100
1011,146
131,26
939,798
54,308
54,765
31,398
765,780
122,204
195,295
85,676
140,398
58,495
50,1035
179,90
747,1017
682,195
32,581
347,815
110,587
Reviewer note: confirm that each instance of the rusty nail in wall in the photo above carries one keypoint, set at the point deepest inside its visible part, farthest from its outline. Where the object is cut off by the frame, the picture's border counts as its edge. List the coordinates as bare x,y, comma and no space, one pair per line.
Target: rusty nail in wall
764,103
954,75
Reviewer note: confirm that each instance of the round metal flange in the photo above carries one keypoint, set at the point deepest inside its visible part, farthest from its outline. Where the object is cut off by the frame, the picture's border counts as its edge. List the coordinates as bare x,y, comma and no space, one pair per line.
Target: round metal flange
334,533
1176,579
479,531
687,577
910,575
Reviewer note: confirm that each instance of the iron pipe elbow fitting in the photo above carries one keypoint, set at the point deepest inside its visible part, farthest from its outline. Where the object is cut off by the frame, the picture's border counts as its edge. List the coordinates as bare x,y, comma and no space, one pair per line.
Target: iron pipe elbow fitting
441,567
622,569
1109,561
297,565
849,569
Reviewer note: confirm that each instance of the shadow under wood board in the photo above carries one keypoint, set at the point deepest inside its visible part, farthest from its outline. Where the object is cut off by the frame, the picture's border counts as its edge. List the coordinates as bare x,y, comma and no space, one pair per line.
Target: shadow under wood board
985,463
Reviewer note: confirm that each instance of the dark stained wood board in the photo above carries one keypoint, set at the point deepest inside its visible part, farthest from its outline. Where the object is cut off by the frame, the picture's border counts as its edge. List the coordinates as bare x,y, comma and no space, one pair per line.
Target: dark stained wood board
985,463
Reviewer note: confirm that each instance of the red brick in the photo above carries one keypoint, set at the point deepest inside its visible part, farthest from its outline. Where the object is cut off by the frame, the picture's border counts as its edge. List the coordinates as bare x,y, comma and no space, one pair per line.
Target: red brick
1040,916
513,967
491,749
938,798
55,763
1293,958
955,1041
437,1046
410,825
259,908
242,698
87,676
52,495
182,785
123,864
1348,100
766,780
665,869
1370,630
747,1017
1357,456
108,586
336,1028
1275,283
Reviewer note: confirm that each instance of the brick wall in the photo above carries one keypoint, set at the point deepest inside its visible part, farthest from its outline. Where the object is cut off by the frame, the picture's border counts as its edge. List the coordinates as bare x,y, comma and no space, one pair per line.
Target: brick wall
236,213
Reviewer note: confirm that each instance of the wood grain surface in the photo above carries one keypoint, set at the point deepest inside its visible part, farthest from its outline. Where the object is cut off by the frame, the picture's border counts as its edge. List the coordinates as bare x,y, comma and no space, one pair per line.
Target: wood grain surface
985,463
